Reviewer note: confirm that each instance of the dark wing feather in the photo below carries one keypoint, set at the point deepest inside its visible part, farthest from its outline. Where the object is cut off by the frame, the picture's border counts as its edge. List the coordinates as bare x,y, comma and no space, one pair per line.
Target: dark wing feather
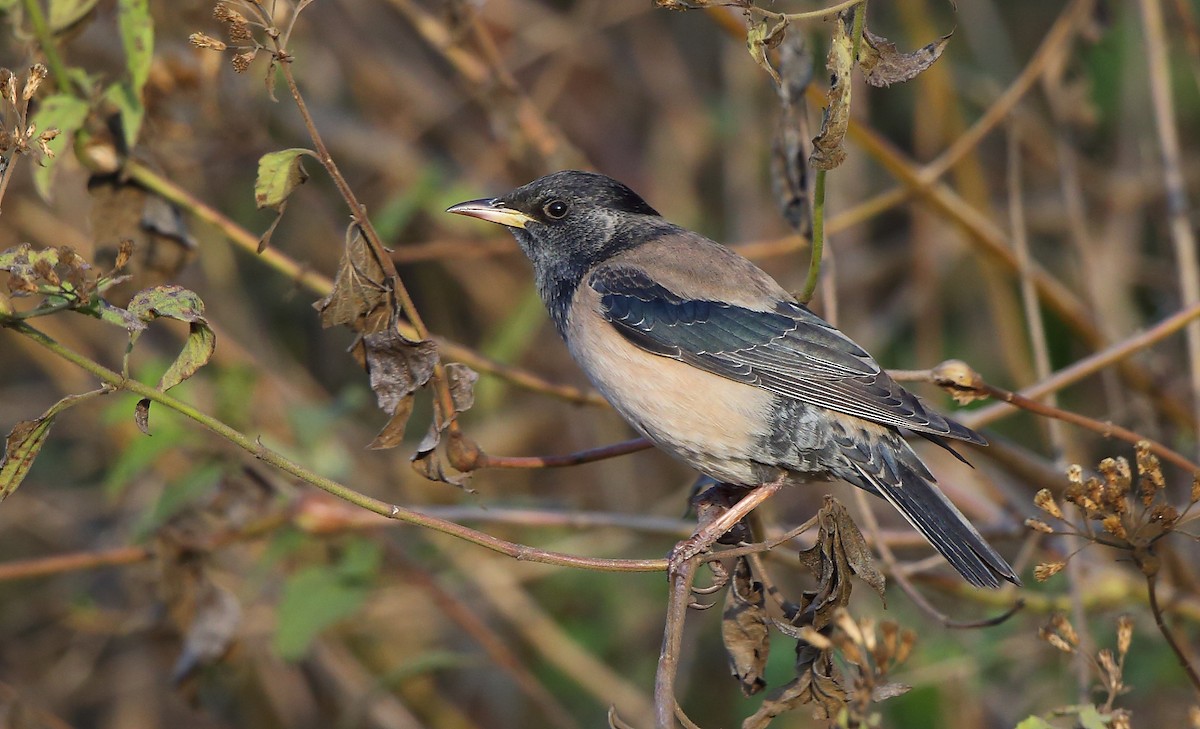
788,351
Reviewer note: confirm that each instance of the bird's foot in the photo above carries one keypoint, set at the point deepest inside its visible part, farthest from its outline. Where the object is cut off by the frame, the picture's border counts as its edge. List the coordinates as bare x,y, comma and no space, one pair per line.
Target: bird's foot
718,514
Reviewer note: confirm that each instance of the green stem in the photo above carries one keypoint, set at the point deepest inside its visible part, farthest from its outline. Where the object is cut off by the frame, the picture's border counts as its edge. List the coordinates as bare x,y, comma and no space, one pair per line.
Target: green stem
41,30
255,447
818,238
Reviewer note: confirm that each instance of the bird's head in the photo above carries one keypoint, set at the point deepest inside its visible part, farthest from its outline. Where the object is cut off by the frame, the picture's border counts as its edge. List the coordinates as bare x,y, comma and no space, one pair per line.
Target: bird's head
569,221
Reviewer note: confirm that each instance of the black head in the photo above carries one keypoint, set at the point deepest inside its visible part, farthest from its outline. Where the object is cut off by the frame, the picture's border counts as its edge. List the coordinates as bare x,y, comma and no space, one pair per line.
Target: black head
566,223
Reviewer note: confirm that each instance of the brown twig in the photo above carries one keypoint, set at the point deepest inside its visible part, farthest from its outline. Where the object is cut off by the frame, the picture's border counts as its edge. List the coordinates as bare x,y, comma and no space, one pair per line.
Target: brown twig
679,596
255,447
1167,634
25,569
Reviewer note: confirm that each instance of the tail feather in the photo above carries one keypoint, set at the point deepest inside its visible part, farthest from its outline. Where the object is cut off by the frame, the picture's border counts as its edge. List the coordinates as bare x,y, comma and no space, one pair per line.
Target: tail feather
915,495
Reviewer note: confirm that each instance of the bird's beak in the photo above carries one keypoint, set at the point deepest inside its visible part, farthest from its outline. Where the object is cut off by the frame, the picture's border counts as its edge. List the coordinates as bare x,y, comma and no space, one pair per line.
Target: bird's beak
492,211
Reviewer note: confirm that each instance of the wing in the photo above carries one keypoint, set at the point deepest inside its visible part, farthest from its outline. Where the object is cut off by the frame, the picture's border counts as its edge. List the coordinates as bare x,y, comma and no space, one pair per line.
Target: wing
788,350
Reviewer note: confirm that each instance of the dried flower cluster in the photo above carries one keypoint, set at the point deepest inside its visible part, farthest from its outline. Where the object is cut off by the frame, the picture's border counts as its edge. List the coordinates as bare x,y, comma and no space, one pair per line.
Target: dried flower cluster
17,134
239,31
1133,513
1107,666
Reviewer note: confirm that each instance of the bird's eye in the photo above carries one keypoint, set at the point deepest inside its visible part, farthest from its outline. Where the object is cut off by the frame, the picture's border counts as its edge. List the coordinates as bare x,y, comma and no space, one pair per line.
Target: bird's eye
555,209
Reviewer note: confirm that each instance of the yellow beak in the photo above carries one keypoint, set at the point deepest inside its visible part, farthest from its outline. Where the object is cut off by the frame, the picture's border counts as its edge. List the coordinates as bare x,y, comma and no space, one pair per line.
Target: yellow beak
492,211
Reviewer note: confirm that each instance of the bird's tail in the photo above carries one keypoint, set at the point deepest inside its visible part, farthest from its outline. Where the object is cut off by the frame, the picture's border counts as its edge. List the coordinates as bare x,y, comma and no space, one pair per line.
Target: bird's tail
899,477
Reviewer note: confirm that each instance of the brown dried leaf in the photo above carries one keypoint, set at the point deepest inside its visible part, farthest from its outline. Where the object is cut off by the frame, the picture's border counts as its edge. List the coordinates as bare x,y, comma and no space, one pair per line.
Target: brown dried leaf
883,65
25,441
828,151
141,415
360,296
839,552
397,367
744,629
815,684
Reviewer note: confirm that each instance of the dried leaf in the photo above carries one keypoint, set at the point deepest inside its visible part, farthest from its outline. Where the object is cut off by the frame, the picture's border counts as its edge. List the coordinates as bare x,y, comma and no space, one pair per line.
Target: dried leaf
814,684
26,439
279,174
461,381
141,415
889,691
360,292
883,65
397,367
744,629
761,37
828,151
791,146
839,551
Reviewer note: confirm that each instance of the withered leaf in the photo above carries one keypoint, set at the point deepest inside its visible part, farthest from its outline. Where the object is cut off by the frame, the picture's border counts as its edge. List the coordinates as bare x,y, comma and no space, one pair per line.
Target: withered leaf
141,415
26,439
839,552
883,65
461,381
791,146
397,367
761,37
828,151
889,691
360,295
815,684
744,629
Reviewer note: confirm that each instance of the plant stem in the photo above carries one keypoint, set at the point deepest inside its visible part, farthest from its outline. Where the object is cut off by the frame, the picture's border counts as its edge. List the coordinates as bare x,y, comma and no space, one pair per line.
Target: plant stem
818,238
255,447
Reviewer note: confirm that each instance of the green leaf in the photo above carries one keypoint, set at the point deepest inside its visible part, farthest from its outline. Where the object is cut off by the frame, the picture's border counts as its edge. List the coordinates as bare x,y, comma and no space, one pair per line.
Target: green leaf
65,13
317,597
279,174
1034,722
130,108
65,113
176,302
1091,718
137,36
26,440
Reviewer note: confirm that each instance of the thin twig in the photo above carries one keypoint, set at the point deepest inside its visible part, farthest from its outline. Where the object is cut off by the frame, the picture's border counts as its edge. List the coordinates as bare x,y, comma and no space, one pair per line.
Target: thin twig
393,511
1160,621
679,597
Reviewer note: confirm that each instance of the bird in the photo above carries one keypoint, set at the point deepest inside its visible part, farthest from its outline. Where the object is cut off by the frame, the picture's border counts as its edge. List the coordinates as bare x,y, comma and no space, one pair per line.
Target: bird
713,361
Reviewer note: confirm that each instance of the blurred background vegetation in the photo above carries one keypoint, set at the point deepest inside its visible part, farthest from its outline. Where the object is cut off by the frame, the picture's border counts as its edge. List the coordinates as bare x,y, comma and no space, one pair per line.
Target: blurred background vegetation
173,580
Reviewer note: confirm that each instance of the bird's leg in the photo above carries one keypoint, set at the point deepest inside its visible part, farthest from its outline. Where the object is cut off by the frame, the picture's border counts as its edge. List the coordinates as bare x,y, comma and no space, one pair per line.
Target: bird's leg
707,533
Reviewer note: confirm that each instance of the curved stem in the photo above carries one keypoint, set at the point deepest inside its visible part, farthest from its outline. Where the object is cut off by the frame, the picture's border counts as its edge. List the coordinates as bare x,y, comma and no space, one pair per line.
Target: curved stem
255,447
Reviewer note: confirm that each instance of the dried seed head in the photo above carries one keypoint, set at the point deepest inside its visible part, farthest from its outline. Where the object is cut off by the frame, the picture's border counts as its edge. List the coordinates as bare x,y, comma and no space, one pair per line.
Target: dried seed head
1046,570
1059,623
1045,501
1055,640
1124,635
241,61
240,33
1112,524
1075,473
1111,669
1120,720
201,40
1195,487
8,86
1039,526
37,74
1164,514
